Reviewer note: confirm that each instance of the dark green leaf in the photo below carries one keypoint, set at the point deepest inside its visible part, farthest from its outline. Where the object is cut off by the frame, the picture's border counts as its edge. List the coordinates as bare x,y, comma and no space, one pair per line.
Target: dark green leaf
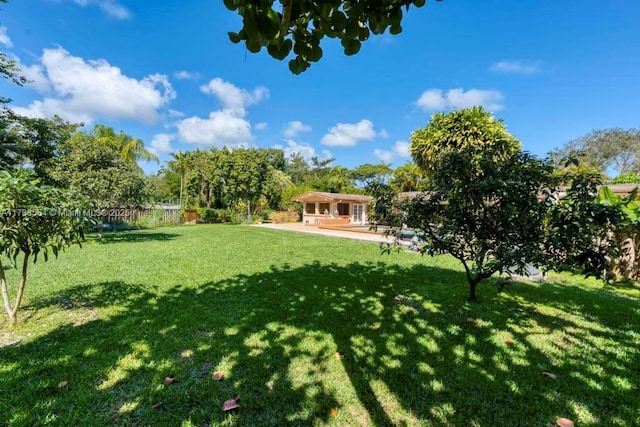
395,29
235,37
351,47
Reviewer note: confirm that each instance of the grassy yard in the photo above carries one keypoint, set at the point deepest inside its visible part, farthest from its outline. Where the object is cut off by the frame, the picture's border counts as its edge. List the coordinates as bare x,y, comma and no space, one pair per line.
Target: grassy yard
104,326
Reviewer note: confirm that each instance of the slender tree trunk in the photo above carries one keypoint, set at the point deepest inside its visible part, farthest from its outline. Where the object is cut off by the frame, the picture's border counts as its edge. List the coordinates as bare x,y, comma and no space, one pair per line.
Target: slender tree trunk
472,290
23,282
11,311
473,281
181,186
5,296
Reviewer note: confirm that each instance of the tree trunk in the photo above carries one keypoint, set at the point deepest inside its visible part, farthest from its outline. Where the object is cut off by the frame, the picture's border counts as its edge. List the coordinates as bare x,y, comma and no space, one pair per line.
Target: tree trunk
472,290
181,186
473,281
5,296
23,282
11,311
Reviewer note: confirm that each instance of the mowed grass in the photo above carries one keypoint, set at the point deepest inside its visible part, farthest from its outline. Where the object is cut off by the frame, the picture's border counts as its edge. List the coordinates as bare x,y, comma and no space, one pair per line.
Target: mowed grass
103,327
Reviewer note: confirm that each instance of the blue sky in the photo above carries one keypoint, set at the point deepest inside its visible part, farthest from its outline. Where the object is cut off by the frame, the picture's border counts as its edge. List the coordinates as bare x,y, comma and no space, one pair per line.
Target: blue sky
165,72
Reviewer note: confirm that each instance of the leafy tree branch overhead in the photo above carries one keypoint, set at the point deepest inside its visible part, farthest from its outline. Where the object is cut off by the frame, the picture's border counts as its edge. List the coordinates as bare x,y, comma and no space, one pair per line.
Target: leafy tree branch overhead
300,25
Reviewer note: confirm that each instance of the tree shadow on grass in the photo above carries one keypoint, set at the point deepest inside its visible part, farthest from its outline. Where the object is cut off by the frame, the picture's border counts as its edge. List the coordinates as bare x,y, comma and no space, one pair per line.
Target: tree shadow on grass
434,360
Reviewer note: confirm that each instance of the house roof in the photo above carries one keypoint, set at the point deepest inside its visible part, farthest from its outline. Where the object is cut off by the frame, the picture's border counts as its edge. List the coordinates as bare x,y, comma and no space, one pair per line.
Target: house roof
319,196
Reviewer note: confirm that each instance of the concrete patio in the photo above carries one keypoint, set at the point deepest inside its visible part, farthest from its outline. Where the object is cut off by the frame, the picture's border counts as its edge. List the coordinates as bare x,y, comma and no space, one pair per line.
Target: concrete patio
312,229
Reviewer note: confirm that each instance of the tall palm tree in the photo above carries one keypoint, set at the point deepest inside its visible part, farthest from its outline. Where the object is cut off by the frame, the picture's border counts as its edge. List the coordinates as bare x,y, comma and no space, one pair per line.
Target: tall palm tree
179,166
131,149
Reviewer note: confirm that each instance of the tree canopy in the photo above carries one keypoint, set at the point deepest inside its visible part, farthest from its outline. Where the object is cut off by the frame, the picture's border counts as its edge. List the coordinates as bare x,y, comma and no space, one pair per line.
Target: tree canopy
300,25
37,140
86,164
494,207
611,151
473,131
481,201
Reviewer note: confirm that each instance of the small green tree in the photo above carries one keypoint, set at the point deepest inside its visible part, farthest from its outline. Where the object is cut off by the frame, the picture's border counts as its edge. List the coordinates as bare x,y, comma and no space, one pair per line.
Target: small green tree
35,221
481,202
495,208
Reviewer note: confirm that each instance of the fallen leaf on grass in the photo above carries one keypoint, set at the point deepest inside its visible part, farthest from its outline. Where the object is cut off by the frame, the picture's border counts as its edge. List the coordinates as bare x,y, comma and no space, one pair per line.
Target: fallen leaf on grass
550,375
564,422
217,375
339,355
230,404
169,380
62,384
333,412
509,341
375,327
156,405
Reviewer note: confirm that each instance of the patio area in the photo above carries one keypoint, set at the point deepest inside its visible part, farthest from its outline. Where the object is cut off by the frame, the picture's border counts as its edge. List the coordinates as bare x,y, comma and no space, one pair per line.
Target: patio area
299,227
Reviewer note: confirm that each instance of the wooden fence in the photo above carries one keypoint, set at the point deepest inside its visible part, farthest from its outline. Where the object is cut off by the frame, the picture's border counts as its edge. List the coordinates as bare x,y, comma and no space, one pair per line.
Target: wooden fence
149,215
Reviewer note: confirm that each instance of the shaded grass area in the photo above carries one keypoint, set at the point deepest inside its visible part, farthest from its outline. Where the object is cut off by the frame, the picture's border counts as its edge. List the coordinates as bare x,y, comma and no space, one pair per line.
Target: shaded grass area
270,309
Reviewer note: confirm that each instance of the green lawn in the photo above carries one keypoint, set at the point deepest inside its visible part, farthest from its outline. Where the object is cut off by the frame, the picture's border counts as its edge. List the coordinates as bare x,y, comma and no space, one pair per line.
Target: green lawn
104,325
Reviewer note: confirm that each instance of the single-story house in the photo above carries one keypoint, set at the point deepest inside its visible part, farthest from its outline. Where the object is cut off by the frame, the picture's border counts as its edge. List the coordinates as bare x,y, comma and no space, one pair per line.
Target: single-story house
320,208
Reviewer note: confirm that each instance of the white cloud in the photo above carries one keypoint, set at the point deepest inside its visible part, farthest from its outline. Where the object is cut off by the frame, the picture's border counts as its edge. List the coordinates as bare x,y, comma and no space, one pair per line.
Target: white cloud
302,148
110,7
432,99
295,128
349,134
261,126
232,98
161,144
175,114
219,129
436,99
35,75
82,91
227,126
326,155
383,155
517,67
4,37
402,149
186,75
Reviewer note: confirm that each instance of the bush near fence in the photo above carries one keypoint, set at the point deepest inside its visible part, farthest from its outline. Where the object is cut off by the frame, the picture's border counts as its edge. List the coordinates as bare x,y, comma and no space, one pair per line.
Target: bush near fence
211,216
284,216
